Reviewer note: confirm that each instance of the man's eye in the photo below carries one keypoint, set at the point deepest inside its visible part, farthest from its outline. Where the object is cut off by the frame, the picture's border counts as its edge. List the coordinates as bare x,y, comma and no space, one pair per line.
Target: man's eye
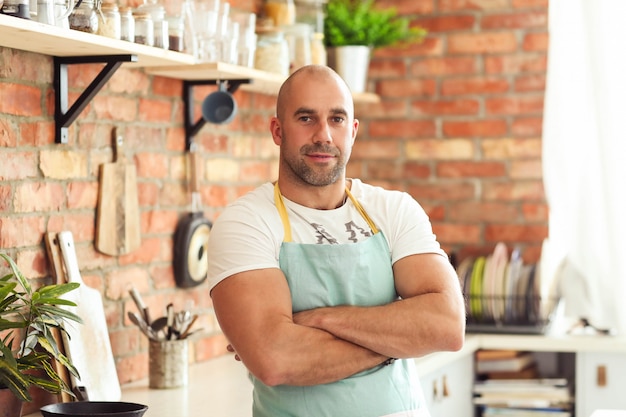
338,119
305,118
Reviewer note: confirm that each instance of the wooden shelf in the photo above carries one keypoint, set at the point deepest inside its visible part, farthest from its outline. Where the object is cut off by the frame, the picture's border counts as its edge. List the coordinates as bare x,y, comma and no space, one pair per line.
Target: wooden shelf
32,36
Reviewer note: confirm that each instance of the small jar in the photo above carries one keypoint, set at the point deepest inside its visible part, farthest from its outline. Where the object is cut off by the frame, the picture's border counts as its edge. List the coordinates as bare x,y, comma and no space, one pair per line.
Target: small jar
272,52
84,17
109,21
127,24
282,12
144,28
157,14
176,33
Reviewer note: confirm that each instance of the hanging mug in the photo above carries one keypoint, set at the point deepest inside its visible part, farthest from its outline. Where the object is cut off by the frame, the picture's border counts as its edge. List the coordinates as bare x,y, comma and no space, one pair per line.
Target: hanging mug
220,106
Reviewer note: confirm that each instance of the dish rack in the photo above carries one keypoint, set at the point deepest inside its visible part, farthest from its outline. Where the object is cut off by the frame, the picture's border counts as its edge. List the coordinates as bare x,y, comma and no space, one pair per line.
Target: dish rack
517,314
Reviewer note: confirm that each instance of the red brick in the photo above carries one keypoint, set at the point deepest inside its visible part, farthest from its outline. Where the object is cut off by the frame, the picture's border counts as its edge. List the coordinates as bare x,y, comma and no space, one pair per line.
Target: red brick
449,191
536,42
440,149
38,196
159,221
385,109
20,100
536,212
389,68
152,165
512,233
117,282
416,170
168,87
18,231
478,128
446,107
132,368
439,23
383,170
468,169
129,81
402,129
511,148
431,46
408,7
526,169
457,233
122,109
216,196
37,133
528,4
125,341
82,195
463,5
482,43
376,150
444,66
515,20
527,104
8,134
211,347
6,202
516,63
155,110
474,85
407,88
535,82
514,191
483,212
163,277
17,165
150,251
81,225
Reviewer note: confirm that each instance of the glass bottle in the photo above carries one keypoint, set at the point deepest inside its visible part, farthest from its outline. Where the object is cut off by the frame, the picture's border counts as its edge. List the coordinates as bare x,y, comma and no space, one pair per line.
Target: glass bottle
109,21
282,12
144,28
127,24
84,17
176,33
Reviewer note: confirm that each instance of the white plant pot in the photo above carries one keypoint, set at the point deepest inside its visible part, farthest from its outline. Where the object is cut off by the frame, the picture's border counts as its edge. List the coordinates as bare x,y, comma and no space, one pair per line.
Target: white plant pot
352,64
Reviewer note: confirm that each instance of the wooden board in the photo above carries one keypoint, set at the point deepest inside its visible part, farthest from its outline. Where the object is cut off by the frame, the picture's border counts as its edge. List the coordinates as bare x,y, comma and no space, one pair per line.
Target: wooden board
117,223
88,345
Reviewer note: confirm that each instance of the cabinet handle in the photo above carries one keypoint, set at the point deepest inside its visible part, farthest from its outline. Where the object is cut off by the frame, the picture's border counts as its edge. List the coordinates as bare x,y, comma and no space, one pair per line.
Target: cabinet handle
601,376
445,389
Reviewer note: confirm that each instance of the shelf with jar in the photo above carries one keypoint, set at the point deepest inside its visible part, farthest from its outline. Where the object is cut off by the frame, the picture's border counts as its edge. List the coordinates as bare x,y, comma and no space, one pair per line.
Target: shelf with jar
33,36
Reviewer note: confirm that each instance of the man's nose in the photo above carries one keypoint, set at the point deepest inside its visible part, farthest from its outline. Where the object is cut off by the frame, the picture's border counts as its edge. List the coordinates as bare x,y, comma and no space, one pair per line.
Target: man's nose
323,133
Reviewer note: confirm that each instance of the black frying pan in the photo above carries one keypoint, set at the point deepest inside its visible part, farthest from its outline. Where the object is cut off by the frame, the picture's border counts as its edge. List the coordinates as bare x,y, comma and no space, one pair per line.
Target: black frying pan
191,238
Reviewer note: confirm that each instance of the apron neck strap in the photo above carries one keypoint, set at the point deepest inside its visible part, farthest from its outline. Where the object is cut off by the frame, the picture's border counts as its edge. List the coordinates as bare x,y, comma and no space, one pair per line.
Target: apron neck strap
282,211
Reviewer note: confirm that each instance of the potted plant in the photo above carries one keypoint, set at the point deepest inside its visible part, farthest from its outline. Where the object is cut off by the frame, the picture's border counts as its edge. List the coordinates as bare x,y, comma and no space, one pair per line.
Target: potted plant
29,319
353,28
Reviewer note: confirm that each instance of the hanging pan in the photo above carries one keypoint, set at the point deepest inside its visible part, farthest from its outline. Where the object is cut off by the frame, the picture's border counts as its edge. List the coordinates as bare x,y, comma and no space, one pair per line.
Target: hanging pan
191,238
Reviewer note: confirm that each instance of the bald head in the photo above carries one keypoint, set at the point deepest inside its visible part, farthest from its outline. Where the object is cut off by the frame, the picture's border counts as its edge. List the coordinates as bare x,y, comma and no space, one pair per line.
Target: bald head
316,74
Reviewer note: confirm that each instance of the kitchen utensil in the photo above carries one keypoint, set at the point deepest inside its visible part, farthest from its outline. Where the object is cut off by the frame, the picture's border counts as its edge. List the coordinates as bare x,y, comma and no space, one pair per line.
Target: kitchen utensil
143,310
220,106
143,326
117,224
88,345
94,409
191,238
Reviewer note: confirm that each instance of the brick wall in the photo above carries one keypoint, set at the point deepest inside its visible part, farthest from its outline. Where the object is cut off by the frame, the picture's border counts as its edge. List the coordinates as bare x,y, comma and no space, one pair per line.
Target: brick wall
458,127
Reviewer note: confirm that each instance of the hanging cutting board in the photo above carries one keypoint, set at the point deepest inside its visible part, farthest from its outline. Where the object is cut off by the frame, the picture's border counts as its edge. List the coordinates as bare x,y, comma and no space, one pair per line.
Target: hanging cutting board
117,223
88,345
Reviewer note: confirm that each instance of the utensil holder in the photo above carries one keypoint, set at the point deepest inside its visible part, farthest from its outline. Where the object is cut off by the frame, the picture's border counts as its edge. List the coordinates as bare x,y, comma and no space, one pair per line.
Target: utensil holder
168,363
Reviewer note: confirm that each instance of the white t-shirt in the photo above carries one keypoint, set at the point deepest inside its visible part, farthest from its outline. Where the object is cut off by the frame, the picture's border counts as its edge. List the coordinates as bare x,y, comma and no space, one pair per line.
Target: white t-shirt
249,233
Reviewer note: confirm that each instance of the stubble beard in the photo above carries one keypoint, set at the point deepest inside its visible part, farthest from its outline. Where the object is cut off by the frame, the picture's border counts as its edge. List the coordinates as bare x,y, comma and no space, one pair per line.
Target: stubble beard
314,175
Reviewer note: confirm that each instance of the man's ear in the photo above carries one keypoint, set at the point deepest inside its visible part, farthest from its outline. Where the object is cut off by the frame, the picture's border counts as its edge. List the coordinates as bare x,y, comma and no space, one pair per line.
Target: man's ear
276,131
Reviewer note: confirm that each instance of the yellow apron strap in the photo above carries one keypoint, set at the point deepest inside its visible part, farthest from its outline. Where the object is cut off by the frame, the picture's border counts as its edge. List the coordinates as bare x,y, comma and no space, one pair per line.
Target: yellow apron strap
282,212
362,211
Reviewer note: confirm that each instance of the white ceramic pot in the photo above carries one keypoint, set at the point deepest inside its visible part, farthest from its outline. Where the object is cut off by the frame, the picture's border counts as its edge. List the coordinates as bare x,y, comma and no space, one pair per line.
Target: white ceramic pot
352,64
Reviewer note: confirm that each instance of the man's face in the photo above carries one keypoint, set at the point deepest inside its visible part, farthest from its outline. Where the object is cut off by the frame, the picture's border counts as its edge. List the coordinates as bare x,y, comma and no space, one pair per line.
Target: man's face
316,131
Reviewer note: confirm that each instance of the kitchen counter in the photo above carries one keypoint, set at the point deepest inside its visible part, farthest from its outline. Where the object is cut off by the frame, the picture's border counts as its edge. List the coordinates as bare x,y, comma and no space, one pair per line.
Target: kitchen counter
220,386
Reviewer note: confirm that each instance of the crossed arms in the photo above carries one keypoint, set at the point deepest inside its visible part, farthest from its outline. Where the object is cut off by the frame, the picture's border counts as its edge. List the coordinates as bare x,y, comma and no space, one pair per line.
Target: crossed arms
331,343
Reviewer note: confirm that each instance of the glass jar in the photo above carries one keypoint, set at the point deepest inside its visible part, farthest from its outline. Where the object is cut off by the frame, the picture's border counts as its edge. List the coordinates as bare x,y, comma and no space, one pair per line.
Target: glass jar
298,38
318,49
272,52
109,21
311,12
282,12
176,33
157,14
144,28
84,17
127,24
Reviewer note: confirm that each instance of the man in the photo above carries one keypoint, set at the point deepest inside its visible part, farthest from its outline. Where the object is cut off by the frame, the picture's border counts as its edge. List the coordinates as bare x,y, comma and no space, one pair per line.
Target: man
319,281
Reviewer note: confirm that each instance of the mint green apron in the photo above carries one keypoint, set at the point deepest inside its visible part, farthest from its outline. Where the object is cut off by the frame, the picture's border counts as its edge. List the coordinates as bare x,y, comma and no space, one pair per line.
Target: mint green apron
331,275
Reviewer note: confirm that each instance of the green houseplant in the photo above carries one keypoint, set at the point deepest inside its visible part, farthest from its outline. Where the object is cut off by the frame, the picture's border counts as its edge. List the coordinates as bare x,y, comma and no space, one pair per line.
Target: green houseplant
353,28
28,320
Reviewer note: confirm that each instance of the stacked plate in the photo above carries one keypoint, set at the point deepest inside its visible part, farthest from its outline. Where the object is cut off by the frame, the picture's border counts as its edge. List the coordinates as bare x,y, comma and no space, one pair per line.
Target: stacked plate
503,294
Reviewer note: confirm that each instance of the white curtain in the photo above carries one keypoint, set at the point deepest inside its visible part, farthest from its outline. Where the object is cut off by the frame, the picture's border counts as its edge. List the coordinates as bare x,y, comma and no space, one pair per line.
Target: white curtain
584,157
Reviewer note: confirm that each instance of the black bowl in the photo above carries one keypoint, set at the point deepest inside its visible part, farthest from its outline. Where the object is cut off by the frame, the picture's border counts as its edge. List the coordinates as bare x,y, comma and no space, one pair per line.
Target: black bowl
94,409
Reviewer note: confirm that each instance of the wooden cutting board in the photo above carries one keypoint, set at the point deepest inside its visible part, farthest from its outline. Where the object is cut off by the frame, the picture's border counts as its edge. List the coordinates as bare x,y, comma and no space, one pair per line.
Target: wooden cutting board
88,345
117,223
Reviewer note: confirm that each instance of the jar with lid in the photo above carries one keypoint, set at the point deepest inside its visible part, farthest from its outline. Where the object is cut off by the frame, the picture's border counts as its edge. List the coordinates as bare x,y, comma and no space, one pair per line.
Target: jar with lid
318,49
176,33
282,12
127,24
272,52
144,28
157,14
84,17
298,38
109,21
16,8
311,12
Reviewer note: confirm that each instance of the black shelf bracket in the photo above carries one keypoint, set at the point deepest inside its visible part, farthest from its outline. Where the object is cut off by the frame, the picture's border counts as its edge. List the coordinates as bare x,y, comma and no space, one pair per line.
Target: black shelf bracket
64,115
192,127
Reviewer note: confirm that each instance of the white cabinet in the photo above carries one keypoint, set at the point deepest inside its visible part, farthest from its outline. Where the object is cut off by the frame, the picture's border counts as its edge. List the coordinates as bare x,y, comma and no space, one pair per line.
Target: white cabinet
448,390
600,382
